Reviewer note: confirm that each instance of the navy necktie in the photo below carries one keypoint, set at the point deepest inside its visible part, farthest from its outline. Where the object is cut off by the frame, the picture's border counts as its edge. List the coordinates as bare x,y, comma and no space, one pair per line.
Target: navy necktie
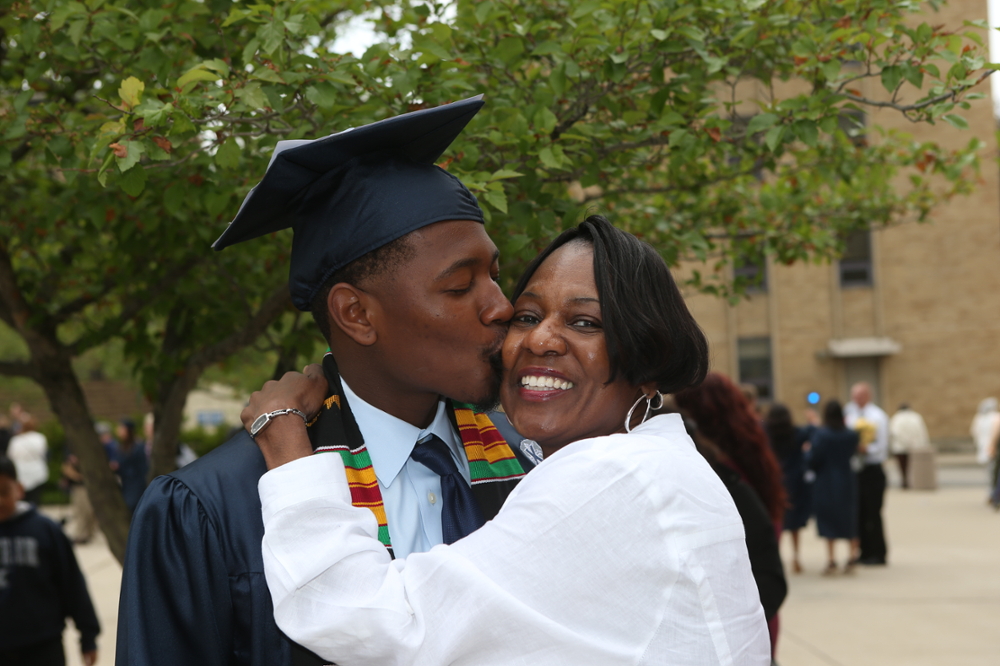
460,514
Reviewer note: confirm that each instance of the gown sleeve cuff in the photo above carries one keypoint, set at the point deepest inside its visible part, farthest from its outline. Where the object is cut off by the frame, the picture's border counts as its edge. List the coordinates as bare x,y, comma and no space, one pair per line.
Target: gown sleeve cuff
302,480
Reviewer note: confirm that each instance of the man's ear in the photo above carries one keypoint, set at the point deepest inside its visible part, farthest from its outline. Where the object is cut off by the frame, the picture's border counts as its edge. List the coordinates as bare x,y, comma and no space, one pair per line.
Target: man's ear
350,310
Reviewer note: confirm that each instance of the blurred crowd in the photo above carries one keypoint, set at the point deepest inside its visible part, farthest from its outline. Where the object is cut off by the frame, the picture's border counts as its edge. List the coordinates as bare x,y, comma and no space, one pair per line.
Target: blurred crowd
830,468
128,453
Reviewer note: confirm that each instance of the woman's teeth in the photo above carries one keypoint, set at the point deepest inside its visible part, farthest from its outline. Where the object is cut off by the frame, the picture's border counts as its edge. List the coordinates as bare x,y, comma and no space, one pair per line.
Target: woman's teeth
544,383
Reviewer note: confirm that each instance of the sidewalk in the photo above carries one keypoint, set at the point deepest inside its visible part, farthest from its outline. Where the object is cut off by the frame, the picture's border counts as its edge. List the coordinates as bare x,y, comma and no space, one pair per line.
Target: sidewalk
936,604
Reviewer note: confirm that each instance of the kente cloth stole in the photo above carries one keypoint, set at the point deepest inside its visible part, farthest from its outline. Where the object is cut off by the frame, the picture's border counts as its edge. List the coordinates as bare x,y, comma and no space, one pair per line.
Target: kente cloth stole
491,460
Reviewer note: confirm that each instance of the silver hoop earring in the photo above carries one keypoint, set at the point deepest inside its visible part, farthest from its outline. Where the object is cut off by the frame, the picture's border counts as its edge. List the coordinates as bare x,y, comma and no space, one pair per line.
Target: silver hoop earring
649,408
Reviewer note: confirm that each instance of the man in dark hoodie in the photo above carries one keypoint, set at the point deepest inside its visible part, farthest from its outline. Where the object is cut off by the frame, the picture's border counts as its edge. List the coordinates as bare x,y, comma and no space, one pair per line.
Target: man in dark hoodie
40,584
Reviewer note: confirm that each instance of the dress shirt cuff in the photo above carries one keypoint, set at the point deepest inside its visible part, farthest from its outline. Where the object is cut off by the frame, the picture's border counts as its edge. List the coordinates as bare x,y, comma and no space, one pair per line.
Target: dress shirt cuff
302,480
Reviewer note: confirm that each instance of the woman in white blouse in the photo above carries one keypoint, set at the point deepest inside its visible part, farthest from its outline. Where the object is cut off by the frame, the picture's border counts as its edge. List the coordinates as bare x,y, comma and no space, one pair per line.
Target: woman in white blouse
621,547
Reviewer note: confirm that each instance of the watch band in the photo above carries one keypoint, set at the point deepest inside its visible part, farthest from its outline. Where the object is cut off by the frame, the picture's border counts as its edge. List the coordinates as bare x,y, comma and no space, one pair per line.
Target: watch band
261,421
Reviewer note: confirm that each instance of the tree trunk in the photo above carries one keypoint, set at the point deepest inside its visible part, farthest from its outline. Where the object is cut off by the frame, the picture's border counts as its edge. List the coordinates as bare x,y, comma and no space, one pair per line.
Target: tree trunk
168,407
70,407
168,414
50,366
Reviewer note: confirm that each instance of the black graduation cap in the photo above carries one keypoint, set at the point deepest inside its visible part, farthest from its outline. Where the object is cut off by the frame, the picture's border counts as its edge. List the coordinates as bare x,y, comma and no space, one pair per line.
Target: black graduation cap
350,193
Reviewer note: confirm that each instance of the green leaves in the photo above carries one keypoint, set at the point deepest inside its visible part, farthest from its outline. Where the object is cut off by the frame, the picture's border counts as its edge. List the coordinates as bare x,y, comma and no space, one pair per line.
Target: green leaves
689,123
64,12
196,73
891,76
761,122
127,153
508,49
130,92
228,154
497,199
133,182
551,157
956,121
154,112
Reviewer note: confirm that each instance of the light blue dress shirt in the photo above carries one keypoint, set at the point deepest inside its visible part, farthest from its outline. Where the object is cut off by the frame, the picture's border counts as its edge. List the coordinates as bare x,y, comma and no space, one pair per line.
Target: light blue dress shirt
411,492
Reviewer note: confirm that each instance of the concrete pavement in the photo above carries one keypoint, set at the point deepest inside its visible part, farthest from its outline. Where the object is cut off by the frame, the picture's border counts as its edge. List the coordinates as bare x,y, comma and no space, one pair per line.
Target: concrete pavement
936,604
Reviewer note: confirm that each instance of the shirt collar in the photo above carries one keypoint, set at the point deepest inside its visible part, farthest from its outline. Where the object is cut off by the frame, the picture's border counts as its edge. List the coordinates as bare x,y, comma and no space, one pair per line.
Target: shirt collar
396,438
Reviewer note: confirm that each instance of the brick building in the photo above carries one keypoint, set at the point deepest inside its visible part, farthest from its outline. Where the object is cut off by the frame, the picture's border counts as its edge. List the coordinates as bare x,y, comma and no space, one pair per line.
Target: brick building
913,309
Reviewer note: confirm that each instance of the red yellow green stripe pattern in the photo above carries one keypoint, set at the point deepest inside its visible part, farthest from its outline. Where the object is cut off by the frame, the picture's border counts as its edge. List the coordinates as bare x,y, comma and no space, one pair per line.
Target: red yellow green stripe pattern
363,484
490,460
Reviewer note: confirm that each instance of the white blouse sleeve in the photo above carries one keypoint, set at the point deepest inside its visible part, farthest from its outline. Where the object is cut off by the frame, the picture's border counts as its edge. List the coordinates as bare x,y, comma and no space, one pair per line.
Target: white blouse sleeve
576,569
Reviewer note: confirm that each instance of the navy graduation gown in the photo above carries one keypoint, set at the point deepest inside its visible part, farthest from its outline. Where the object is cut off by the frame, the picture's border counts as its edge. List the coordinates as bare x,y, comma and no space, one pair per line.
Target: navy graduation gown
193,588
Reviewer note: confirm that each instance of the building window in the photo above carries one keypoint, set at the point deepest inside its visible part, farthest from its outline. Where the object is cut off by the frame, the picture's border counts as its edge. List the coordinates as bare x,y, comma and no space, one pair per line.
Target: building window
750,272
856,262
755,365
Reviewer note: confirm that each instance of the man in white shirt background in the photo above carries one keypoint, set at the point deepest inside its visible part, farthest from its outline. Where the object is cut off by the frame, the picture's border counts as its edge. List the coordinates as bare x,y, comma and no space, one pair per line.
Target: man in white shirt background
870,547
907,432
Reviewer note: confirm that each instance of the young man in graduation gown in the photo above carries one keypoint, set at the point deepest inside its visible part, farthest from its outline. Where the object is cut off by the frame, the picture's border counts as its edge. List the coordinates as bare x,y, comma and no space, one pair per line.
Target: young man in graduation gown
391,256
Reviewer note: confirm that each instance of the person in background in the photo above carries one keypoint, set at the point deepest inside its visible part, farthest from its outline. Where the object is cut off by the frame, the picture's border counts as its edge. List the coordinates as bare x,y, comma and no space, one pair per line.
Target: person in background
82,523
869,546
724,415
108,443
907,432
994,498
29,451
752,394
133,465
985,430
17,416
835,491
147,434
5,434
762,544
40,584
791,444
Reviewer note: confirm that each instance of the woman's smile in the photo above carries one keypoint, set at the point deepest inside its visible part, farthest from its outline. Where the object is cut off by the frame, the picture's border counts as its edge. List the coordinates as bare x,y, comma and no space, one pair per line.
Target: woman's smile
540,383
556,358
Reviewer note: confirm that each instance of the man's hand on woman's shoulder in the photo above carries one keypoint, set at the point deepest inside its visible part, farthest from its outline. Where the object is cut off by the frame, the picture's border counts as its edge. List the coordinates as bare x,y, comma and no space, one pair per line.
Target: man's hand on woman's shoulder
283,437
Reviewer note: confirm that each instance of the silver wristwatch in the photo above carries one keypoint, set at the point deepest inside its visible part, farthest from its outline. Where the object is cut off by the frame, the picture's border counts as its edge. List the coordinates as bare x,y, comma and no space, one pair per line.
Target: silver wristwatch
261,421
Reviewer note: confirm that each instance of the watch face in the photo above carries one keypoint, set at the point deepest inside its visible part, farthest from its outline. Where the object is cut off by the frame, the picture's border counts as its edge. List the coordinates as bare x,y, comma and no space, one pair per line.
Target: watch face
259,423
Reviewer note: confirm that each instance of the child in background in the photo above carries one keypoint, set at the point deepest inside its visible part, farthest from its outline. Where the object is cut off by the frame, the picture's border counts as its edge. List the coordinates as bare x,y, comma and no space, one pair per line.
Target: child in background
40,584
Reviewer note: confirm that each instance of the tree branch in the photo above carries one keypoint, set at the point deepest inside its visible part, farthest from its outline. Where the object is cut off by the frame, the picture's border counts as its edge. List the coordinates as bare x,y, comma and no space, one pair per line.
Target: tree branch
18,369
279,301
6,316
918,106
134,305
74,306
16,310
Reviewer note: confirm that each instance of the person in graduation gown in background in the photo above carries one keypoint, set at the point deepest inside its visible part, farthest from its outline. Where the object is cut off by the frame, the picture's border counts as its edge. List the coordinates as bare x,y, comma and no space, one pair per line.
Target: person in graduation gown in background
391,256
622,546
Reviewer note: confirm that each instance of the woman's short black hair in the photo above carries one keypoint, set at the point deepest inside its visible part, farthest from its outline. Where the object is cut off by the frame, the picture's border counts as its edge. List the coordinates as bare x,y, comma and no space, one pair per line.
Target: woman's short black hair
649,332
833,415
